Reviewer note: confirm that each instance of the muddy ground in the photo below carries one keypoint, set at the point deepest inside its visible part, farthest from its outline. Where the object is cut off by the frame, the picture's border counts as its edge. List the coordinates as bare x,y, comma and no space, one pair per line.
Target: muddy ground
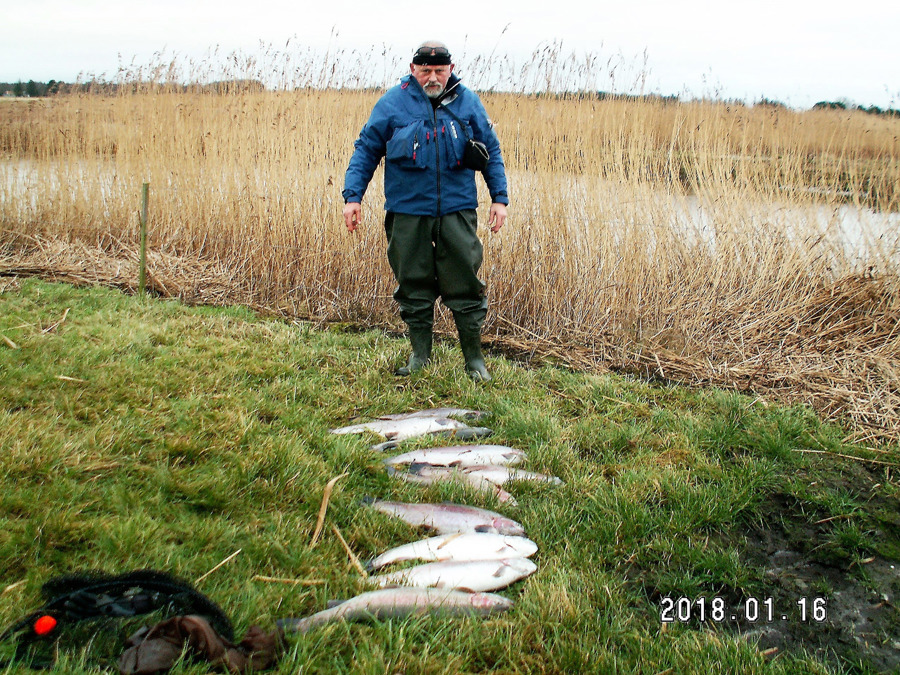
827,545
852,560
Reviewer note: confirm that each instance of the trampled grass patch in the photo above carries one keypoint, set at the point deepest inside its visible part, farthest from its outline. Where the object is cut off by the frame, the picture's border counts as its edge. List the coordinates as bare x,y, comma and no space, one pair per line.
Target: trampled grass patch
137,433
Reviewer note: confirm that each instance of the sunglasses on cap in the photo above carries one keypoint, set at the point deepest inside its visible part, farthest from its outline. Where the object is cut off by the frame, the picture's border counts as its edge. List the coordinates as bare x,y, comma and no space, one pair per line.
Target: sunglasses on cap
432,56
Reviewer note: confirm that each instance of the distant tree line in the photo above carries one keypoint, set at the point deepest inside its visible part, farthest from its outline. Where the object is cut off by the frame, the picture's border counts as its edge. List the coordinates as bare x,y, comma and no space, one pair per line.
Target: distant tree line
842,105
34,89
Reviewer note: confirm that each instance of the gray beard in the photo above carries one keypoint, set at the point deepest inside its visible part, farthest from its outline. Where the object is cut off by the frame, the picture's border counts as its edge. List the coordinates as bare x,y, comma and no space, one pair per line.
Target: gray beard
434,94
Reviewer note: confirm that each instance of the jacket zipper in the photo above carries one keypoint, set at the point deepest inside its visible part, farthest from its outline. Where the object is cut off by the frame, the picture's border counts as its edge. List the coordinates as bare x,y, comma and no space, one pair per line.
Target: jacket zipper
437,154
437,151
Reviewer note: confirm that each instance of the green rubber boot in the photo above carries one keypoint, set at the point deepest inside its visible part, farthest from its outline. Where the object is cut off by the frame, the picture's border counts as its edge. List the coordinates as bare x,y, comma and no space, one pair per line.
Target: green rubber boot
420,339
470,343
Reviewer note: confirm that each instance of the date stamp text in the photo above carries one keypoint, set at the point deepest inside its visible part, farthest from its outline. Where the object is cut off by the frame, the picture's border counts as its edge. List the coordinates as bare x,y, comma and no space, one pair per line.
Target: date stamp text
751,610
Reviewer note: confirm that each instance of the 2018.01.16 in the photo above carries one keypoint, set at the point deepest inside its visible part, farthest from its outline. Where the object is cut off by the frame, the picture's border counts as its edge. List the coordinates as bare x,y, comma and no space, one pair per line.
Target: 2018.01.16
751,610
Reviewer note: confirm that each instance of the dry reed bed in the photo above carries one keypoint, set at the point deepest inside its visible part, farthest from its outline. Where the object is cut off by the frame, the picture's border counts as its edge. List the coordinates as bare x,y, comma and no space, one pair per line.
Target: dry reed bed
641,237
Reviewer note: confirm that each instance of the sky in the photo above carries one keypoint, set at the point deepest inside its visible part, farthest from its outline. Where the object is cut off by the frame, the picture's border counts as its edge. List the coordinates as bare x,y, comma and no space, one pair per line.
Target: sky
797,52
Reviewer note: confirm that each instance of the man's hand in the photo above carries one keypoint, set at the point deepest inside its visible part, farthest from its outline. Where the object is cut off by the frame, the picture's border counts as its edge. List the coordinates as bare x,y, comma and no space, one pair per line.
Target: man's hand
352,215
497,218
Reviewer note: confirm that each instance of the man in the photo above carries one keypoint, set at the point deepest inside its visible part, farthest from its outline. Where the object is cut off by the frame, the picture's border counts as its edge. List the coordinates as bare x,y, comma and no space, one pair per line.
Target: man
421,127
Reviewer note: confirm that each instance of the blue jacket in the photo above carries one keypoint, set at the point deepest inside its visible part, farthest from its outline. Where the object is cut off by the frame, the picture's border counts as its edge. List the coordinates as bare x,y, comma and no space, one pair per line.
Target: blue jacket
423,148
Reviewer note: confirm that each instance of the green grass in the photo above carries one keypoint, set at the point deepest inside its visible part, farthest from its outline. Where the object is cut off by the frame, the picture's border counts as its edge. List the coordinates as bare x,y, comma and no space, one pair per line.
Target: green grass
180,435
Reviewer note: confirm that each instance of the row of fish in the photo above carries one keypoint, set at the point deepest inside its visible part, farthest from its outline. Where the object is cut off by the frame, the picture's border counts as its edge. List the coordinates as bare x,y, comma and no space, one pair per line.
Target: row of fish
469,540
475,549
472,551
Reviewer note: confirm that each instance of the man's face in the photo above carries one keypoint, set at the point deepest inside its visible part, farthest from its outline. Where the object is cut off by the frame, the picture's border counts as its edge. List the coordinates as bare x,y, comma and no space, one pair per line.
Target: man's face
432,78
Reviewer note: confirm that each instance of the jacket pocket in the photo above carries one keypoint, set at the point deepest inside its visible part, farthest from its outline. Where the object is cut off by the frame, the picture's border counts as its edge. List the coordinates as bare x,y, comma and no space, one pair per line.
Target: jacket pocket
407,146
454,144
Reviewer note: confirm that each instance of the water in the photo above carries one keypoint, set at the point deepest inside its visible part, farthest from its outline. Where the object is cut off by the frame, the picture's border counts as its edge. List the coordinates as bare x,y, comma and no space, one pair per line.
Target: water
860,236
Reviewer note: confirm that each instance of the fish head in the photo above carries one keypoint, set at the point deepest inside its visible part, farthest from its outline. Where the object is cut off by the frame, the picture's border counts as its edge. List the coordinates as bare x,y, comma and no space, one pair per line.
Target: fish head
518,547
519,567
490,601
507,526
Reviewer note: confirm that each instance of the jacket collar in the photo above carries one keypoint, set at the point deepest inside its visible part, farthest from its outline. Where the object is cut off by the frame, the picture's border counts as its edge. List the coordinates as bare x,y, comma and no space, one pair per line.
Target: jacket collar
454,87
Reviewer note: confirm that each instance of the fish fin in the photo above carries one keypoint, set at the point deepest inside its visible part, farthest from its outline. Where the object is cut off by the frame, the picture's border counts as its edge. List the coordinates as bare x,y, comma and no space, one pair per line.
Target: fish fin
331,604
456,464
415,467
484,528
465,589
369,501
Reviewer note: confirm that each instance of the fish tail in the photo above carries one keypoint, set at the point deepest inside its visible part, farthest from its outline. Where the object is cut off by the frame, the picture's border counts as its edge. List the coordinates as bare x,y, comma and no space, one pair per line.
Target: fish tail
473,432
291,625
387,445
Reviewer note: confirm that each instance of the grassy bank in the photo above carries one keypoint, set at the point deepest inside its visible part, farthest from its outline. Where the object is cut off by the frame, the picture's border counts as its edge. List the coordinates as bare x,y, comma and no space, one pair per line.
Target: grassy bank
140,433
750,247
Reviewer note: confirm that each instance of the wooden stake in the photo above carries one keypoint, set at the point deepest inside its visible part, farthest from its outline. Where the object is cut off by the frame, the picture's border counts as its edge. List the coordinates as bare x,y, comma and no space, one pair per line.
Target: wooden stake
142,272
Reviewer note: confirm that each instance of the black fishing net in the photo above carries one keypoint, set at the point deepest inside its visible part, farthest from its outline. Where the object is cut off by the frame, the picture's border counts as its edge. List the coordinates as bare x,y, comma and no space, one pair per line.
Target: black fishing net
96,611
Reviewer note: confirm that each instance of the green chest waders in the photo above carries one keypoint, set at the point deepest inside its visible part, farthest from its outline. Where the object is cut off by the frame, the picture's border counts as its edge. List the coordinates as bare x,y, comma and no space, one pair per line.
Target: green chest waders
438,257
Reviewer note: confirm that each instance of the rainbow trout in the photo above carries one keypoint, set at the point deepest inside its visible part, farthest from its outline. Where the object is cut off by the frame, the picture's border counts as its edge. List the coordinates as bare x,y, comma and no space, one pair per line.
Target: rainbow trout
470,415
461,455
462,546
448,518
395,603
400,430
467,575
